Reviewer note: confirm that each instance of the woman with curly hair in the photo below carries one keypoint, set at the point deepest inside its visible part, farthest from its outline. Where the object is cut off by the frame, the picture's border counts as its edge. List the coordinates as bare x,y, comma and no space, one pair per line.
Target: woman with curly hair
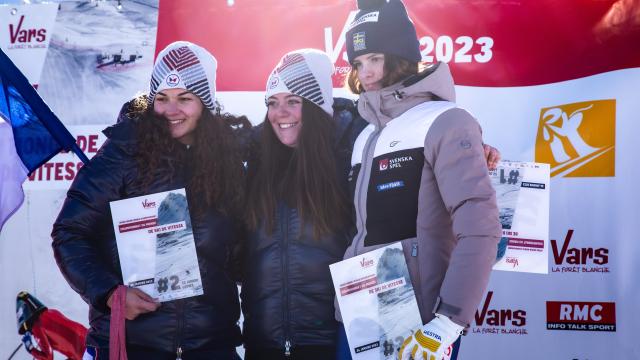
175,137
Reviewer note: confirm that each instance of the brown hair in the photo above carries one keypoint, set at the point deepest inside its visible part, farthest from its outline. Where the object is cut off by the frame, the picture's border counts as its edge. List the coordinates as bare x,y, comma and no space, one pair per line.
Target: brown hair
304,177
218,172
395,69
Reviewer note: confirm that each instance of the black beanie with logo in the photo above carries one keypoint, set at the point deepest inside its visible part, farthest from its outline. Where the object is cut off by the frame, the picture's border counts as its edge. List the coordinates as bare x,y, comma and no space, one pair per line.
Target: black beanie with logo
382,26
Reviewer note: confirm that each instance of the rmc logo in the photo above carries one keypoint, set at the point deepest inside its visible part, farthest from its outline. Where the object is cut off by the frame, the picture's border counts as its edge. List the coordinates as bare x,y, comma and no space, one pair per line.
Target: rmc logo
581,315
578,139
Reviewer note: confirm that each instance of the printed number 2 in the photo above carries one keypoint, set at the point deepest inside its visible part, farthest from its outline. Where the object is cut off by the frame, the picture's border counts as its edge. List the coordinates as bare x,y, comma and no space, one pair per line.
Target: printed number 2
164,286
174,282
443,47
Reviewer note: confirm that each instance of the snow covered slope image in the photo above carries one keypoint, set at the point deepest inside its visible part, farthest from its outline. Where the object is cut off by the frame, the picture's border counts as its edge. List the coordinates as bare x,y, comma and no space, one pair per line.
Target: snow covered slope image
99,58
177,271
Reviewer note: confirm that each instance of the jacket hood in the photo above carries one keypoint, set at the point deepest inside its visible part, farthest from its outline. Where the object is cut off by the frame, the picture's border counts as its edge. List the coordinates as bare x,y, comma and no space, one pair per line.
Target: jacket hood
123,133
381,106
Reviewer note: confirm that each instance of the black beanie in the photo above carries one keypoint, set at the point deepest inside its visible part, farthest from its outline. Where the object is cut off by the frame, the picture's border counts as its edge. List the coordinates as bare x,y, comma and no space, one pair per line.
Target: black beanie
382,26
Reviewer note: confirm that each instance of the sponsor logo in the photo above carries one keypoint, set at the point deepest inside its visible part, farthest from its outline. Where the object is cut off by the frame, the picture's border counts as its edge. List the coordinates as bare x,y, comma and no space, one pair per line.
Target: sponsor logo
275,80
394,143
507,321
148,204
578,139
384,164
359,41
394,163
432,335
173,80
370,17
578,260
22,36
581,316
366,262
391,185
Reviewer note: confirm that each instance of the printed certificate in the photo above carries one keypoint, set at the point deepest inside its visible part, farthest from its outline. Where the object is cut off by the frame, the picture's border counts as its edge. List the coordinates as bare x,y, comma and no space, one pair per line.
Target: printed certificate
377,302
156,246
522,191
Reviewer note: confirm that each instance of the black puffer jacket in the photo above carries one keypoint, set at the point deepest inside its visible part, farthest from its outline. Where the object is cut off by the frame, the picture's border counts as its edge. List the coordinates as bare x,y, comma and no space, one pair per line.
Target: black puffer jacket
85,249
287,292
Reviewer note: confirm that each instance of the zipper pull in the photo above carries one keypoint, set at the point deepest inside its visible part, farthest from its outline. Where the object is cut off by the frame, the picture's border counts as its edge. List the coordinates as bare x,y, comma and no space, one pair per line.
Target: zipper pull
179,353
287,348
414,249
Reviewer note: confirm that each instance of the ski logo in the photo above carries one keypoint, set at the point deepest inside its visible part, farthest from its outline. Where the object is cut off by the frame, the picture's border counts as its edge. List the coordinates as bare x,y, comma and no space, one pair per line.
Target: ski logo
578,139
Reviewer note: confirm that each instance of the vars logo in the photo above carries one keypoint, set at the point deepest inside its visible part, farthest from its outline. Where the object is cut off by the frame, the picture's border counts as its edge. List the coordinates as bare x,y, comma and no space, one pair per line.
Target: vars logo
366,262
148,204
20,35
499,321
578,139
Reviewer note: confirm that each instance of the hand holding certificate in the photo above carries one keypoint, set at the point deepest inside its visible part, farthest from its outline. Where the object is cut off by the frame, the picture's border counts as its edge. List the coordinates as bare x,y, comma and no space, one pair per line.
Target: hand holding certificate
156,246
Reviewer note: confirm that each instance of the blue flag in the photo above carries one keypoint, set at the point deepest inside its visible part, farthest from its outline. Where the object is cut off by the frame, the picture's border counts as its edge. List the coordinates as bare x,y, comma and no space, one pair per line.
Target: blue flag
30,134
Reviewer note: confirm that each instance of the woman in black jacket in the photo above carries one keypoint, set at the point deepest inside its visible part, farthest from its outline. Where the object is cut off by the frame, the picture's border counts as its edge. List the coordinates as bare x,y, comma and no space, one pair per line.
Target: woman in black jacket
299,214
174,138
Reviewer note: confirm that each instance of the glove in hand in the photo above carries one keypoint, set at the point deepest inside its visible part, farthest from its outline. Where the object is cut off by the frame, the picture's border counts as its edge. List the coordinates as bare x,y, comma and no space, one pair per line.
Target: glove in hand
431,341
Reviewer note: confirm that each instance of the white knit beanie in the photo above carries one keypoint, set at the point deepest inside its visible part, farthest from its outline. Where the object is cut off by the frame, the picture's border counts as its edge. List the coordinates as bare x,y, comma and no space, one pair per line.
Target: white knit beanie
184,65
305,73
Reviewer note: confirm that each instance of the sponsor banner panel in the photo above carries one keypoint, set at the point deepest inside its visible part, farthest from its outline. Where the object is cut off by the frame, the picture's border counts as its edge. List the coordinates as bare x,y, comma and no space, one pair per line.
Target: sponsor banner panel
25,35
504,50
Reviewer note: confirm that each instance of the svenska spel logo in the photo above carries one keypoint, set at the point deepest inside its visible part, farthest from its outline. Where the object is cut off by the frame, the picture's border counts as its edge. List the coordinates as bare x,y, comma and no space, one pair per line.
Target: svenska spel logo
578,139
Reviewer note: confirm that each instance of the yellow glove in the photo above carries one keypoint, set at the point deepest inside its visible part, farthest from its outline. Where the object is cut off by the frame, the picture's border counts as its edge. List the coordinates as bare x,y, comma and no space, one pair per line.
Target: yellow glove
431,341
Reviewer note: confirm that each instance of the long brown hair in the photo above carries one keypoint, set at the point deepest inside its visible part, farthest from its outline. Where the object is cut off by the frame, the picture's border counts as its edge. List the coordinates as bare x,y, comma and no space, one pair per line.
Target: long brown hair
304,177
218,172
395,69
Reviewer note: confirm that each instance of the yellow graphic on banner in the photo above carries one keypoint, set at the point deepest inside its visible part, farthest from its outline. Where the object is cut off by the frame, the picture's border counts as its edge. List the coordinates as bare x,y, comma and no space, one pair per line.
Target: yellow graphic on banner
578,140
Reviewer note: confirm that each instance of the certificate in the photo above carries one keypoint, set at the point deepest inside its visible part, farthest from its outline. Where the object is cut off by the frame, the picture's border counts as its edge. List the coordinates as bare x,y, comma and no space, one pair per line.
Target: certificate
377,302
522,191
156,246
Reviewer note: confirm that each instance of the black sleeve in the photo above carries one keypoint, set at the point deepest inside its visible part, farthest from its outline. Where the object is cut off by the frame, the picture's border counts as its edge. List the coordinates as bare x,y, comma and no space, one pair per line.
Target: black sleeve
80,243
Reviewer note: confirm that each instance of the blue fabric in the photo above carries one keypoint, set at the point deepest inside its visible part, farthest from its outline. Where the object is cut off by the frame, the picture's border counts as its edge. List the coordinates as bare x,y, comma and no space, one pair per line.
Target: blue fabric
342,348
38,133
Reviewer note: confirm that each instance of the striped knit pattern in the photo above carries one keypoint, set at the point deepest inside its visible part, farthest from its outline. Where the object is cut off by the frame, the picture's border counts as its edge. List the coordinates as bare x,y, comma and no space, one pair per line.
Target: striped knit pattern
183,61
299,80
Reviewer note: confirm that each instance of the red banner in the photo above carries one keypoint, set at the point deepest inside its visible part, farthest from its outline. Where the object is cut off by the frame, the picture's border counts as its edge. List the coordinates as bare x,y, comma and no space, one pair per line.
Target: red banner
501,43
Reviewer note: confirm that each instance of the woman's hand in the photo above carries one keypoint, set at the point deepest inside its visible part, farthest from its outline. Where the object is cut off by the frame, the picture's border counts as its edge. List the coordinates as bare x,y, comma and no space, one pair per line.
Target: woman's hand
492,155
136,303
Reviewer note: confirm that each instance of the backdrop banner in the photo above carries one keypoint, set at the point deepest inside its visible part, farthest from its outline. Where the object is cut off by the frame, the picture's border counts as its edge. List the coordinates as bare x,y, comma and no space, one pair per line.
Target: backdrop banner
549,81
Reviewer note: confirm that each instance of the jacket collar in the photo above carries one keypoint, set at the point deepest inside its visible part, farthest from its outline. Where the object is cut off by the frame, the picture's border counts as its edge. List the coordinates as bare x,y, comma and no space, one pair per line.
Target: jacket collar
381,106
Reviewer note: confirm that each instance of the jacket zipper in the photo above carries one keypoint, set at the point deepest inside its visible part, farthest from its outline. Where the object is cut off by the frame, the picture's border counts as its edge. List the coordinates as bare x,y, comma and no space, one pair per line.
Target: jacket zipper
360,200
285,276
180,312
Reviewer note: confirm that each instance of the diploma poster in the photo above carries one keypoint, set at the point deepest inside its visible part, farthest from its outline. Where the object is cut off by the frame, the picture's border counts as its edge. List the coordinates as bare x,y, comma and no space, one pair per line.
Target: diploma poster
522,191
377,302
156,245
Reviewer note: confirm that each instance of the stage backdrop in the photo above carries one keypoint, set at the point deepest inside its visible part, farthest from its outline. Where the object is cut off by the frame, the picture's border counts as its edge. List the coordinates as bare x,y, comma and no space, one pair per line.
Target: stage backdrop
549,81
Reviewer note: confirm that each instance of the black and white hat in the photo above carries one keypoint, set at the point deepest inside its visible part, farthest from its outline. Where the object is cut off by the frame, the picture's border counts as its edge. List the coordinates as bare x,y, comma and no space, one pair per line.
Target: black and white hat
382,26
306,73
184,65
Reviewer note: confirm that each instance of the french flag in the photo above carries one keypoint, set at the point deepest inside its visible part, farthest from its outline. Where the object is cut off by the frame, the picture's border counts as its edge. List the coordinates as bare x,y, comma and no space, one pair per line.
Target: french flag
25,119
